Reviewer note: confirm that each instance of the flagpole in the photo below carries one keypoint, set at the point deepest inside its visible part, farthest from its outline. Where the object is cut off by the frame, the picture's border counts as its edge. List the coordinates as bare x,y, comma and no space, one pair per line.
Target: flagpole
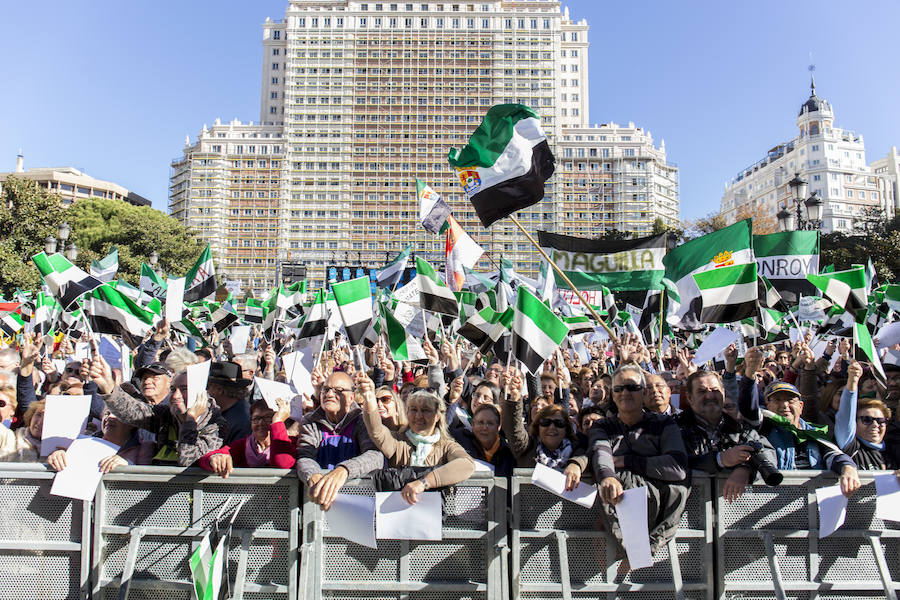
565,278
662,303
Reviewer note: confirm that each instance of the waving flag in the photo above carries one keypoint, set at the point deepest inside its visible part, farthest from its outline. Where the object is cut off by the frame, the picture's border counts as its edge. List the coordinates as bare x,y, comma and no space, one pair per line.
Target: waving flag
462,253
105,269
728,294
66,281
201,279
506,162
390,274
354,301
433,211
433,294
537,332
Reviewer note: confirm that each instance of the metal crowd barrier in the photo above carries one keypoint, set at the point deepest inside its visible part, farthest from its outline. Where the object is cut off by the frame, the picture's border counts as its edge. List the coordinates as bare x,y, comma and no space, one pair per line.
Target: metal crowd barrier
768,544
44,539
146,521
149,520
559,551
467,564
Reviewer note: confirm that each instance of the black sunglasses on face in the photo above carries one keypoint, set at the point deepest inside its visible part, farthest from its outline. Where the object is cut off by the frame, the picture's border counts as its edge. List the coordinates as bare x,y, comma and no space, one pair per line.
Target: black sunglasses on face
867,420
631,387
558,423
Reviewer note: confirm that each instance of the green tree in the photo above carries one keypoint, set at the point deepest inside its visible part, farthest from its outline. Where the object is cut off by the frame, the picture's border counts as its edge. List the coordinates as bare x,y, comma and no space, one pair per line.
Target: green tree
879,241
27,216
99,223
696,228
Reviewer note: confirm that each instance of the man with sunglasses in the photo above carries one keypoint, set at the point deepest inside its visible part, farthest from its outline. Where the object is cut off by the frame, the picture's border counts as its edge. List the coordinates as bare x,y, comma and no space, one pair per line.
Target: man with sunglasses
798,444
334,445
635,448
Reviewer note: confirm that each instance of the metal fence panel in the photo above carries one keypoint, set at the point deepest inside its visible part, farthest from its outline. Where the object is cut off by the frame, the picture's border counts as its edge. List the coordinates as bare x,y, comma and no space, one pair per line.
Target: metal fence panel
41,535
466,564
560,552
148,521
768,545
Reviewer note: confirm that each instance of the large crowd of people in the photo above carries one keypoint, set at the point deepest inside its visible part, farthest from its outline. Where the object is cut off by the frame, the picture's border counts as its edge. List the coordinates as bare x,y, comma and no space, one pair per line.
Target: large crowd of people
627,417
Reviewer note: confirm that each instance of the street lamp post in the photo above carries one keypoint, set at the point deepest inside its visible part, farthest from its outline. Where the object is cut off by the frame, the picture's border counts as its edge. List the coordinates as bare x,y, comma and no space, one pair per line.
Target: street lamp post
788,221
72,251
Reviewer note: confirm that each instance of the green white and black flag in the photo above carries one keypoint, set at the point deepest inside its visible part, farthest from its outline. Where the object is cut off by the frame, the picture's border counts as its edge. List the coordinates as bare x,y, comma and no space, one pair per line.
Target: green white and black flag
728,293
354,301
315,319
152,284
506,162
201,279
389,275
434,296
847,289
111,311
536,331
66,281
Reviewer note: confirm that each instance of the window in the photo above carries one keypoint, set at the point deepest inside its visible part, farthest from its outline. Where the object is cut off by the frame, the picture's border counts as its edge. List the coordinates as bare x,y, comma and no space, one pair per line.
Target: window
849,193
274,66
276,35
274,81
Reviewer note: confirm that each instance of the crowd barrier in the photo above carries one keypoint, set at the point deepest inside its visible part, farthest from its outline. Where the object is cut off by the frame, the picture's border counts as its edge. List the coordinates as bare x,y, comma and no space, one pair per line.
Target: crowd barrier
134,540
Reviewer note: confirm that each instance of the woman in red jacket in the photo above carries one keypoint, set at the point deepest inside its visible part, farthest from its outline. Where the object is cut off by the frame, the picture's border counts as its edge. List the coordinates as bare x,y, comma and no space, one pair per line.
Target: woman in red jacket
267,446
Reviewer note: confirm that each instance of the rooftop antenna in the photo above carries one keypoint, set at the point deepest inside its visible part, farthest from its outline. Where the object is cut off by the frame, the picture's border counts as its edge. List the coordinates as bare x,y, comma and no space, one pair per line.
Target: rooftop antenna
812,76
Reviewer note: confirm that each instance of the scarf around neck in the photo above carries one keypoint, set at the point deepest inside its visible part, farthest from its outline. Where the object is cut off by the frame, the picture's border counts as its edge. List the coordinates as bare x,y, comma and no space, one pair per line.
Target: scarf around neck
255,457
555,459
801,434
422,446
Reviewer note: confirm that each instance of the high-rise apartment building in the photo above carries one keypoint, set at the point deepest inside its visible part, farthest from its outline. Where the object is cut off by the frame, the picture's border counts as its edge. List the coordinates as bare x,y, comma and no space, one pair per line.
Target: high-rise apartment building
358,99
831,159
887,170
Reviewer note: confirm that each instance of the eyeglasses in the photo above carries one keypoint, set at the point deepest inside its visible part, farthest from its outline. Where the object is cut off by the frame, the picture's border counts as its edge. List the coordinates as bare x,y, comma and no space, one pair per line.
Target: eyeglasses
2,403
261,419
385,399
630,387
337,390
867,420
558,423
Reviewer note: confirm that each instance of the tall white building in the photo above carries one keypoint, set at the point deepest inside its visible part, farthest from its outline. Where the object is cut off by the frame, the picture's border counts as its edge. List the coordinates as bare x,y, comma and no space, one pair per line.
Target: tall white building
369,96
831,159
887,170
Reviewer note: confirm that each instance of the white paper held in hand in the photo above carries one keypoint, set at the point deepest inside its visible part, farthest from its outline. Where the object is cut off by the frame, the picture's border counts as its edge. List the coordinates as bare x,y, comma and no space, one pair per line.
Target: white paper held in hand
555,482
174,299
397,520
64,420
887,503
714,344
197,376
272,390
832,509
352,517
82,474
632,513
240,335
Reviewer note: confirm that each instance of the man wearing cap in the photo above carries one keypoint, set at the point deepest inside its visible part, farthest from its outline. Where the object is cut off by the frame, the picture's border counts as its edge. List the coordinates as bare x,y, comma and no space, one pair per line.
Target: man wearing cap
798,444
155,380
229,388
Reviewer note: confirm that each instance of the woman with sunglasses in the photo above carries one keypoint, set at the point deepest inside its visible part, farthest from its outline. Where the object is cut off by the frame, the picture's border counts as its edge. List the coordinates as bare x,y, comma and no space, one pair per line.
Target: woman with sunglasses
268,445
390,408
550,440
860,426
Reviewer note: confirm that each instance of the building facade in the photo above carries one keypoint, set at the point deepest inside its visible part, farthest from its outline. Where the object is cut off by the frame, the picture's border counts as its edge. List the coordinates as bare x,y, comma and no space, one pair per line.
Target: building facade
887,170
369,96
70,184
831,159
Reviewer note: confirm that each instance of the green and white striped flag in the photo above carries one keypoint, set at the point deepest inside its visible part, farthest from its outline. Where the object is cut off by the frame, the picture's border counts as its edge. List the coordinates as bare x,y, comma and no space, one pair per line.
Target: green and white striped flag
536,331
201,279
486,326
467,302
866,347
105,269
434,296
315,319
728,293
11,324
389,275
771,319
579,324
111,311
401,345
847,289
354,301
151,283
66,281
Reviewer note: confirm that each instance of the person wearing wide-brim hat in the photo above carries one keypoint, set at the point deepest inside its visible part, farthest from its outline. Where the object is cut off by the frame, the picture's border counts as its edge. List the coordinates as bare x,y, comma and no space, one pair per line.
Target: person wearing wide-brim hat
231,392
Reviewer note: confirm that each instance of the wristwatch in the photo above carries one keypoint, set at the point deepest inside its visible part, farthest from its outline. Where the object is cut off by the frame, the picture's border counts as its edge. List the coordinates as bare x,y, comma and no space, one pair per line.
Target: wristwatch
424,481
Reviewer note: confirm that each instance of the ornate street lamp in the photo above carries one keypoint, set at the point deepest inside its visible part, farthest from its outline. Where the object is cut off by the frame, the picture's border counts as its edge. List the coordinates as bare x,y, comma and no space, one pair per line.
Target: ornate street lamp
50,245
153,258
63,232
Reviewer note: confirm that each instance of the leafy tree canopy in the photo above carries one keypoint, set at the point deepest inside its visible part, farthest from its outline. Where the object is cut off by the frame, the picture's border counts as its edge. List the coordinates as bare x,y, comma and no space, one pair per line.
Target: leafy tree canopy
29,214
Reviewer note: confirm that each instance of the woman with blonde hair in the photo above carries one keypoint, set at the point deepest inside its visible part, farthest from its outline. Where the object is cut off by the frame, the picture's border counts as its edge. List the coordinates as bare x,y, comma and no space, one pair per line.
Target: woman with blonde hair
23,444
422,442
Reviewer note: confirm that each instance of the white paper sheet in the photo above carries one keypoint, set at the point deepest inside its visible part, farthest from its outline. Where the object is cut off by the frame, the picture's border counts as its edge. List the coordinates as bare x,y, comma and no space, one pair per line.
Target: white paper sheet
197,376
352,517
888,335
887,503
632,513
240,335
555,482
298,368
64,420
483,467
82,351
832,509
719,339
174,299
272,390
397,520
82,474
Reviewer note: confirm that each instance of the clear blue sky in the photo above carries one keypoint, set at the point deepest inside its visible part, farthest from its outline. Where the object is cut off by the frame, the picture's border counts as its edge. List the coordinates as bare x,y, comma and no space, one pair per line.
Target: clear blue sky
113,87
